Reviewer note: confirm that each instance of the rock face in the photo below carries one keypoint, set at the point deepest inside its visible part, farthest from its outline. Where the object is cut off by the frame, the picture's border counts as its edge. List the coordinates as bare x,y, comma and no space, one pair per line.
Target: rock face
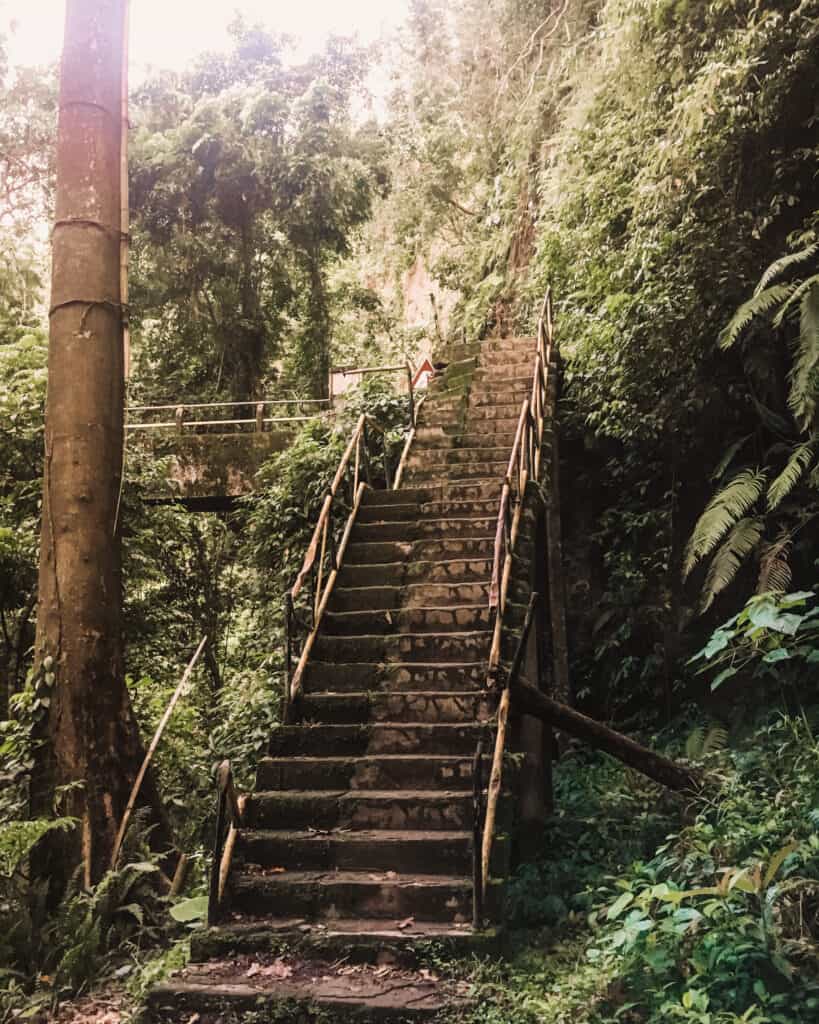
357,845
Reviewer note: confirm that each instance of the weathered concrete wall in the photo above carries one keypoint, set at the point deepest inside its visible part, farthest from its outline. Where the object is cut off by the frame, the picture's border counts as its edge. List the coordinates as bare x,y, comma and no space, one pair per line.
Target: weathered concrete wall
214,465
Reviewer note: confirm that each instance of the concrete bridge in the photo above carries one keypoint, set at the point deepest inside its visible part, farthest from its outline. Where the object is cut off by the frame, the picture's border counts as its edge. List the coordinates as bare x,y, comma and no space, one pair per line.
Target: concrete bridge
214,449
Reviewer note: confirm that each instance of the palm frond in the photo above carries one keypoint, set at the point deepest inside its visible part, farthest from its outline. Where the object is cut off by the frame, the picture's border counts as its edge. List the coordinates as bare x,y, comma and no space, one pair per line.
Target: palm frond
805,373
757,305
781,487
725,564
778,267
774,568
726,507
794,300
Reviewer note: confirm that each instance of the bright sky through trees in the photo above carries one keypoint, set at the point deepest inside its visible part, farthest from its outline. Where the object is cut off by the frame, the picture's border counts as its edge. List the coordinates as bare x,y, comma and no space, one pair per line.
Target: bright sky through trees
168,33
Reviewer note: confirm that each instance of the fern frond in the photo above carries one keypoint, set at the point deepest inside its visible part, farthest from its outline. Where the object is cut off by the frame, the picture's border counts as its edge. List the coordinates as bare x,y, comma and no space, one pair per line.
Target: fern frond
693,745
778,267
796,298
805,373
757,305
721,513
725,564
728,457
774,568
715,739
781,487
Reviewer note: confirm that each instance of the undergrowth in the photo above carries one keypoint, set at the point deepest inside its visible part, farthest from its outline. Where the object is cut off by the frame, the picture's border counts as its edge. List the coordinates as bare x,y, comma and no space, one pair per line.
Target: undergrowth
651,911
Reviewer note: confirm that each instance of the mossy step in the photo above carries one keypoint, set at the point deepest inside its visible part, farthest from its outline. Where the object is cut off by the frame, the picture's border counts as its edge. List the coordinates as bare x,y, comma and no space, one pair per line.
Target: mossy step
311,992
403,573
454,473
469,645
381,771
414,595
328,895
441,852
421,528
407,706
359,940
359,809
458,456
377,738
457,618
325,677
424,550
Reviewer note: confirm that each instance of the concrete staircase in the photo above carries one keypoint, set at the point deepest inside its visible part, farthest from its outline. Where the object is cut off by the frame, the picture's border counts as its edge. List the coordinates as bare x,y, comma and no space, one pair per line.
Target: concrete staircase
358,840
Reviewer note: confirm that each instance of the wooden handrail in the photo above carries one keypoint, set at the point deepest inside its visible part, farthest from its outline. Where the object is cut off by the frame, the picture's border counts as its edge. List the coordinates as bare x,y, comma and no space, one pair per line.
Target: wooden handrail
496,774
524,464
353,465
229,817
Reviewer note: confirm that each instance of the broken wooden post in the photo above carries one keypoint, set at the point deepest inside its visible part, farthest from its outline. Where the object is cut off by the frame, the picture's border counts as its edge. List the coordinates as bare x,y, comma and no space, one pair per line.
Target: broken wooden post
663,770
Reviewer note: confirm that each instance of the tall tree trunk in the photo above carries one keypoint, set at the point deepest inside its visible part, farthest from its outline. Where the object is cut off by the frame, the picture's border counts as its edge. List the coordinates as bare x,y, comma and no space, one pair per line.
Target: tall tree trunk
93,741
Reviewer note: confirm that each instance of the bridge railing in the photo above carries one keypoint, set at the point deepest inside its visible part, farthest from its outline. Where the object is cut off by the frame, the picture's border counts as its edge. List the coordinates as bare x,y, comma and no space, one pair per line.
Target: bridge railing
223,417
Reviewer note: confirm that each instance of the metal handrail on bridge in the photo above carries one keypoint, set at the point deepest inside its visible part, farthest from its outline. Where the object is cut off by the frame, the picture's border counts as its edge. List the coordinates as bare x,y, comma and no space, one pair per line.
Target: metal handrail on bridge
524,465
183,422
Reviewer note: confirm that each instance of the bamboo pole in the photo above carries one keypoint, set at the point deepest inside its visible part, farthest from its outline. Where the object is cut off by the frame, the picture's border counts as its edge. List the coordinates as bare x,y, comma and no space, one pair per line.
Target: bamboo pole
154,743
493,793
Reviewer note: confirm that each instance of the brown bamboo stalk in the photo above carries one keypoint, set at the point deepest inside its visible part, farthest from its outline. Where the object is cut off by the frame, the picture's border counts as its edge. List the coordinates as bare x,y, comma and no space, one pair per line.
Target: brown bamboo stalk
668,773
149,755
296,683
493,792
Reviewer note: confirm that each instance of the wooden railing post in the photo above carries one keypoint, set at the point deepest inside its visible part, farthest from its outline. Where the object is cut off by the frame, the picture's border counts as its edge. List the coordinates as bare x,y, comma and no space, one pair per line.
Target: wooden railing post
411,395
259,417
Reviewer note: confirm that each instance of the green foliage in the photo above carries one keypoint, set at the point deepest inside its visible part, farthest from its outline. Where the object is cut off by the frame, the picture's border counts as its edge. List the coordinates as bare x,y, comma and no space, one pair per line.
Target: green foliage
774,637
707,916
18,838
247,184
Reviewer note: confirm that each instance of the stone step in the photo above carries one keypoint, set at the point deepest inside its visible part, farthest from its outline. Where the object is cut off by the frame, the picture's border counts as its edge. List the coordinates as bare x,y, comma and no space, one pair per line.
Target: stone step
414,595
456,456
383,772
402,573
428,550
359,809
500,359
470,645
458,472
407,706
482,410
325,677
406,531
427,440
312,991
470,490
378,738
328,895
403,496
513,377
427,510
403,850
360,940
458,618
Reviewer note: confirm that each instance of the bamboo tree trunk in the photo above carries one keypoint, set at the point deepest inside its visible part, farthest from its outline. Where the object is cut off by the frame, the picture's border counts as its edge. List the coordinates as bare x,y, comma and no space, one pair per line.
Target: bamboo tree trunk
93,741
